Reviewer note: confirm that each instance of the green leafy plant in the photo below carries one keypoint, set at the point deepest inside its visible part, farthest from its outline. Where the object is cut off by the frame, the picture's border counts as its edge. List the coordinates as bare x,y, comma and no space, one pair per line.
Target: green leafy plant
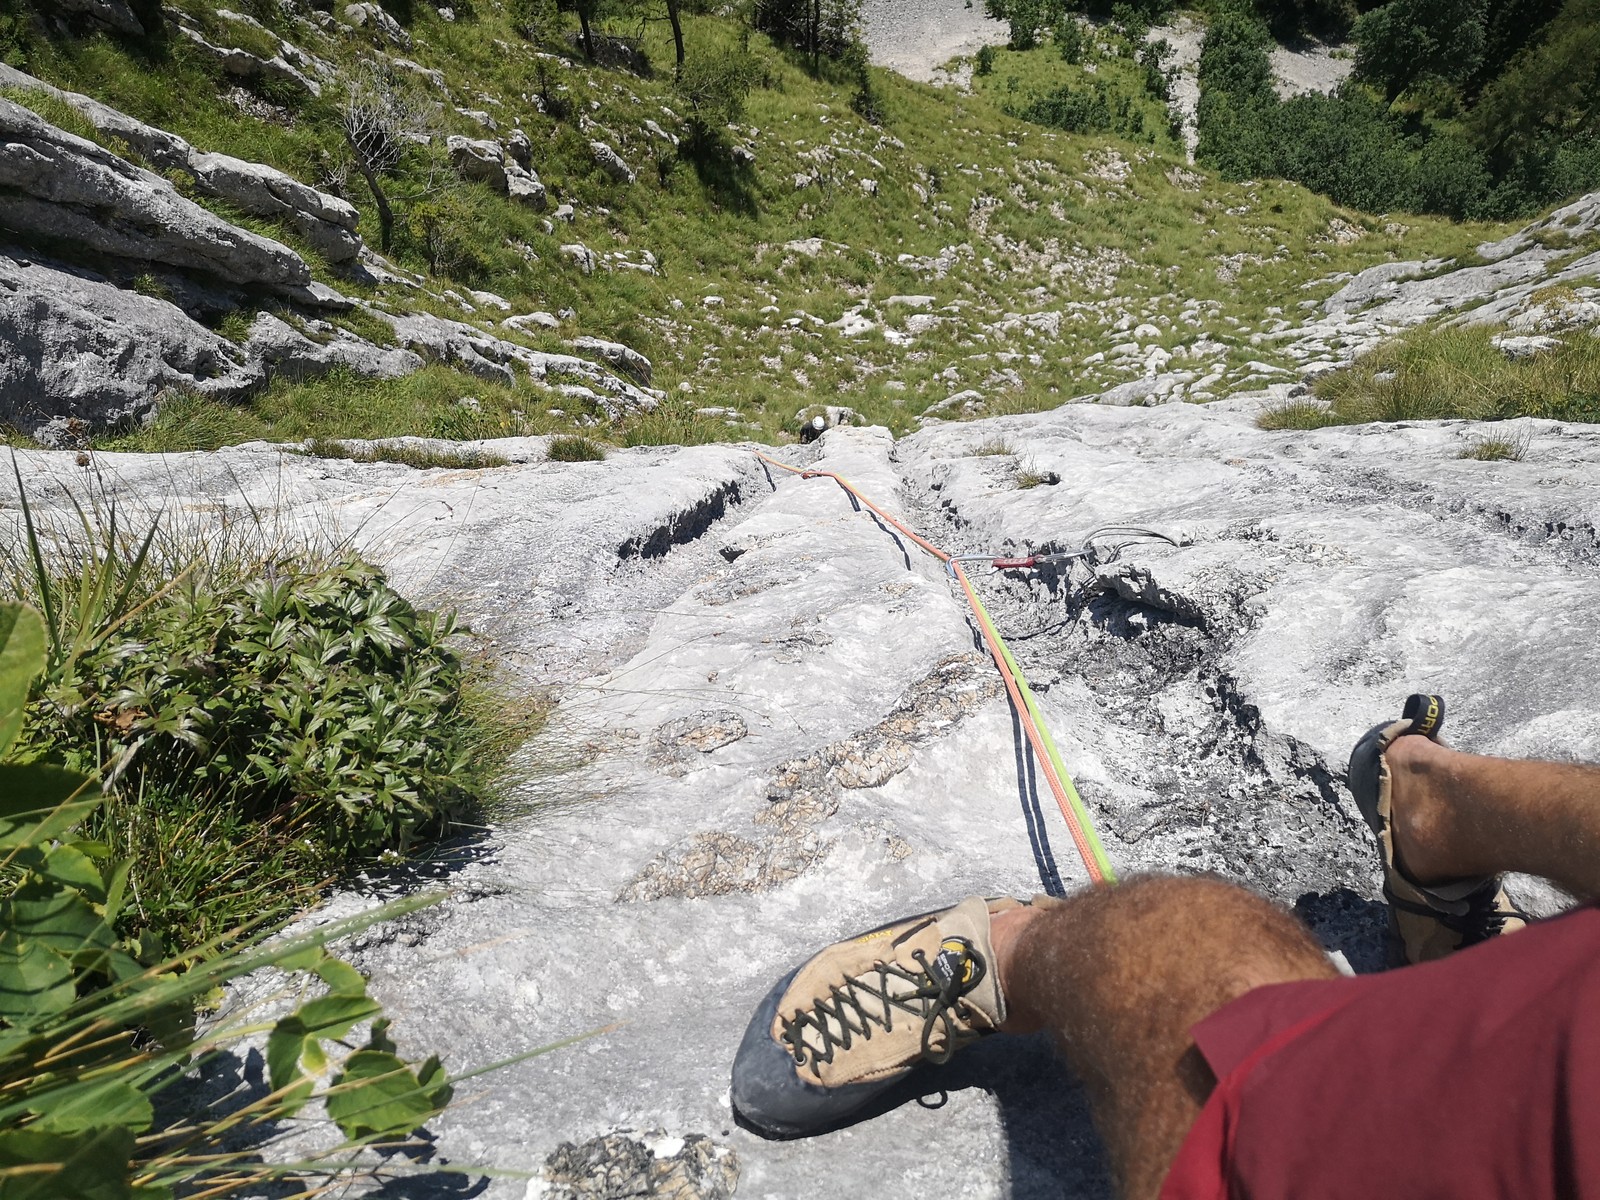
262,719
94,1026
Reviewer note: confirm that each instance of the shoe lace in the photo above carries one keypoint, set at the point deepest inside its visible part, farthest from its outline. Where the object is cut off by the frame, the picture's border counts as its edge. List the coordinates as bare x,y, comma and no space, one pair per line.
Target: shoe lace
869,1001
1483,919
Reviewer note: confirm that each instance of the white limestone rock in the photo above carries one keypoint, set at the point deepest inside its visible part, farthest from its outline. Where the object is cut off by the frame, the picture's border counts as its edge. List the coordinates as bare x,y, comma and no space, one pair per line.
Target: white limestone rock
609,161
581,256
60,183
619,357
284,351
1203,696
479,159
82,355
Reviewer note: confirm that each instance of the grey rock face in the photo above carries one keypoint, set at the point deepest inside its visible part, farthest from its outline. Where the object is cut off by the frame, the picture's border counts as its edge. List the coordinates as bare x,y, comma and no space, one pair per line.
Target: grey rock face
623,358
478,159
113,14
581,255
1204,697
534,320
609,161
490,357
241,64
524,187
325,221
1393,296
372,16
82,354
520,149
283,350
73,191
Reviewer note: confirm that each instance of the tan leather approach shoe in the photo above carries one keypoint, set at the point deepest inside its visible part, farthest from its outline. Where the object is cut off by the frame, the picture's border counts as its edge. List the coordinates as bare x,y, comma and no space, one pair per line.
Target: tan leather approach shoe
854,1019
1425,922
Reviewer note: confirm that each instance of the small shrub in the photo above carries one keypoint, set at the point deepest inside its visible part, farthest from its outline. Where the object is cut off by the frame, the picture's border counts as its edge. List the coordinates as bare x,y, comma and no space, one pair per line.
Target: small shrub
95,1025
1498,448
1030,476
446,231
1069,39
985,61
574,448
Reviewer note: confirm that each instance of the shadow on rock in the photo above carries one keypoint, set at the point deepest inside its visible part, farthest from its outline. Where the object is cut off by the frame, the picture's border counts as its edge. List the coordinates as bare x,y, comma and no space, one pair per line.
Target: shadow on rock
225,1084
1344,921
1053,1152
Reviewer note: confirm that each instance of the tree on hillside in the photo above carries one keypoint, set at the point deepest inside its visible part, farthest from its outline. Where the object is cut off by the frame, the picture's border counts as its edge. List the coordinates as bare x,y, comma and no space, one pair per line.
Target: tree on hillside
677,37
822,28
1408,42
588,12
379,114
1550,92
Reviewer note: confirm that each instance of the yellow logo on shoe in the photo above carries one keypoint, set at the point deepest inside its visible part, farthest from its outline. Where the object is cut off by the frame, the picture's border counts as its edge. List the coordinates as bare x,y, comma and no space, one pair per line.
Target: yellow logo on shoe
1429,720
955,946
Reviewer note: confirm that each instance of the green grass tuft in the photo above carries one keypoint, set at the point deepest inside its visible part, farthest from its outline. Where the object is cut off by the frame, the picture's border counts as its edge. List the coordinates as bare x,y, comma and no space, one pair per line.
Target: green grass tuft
1494,448
994,447
1437,372
572,448
411,454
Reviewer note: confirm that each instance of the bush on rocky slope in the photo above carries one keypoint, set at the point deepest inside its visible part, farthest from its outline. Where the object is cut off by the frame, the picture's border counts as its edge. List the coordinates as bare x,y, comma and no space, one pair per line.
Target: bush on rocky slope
98,1028
261,724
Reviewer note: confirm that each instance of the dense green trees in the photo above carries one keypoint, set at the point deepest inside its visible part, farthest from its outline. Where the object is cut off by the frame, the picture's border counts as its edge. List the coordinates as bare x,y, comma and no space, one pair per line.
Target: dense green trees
1473,108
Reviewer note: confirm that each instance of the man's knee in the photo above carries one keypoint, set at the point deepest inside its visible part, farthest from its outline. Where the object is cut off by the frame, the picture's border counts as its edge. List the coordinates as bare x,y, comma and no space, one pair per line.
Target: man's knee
1197,925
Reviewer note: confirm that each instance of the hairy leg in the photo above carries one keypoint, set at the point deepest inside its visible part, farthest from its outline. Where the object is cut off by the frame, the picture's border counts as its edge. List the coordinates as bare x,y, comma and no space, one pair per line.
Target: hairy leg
1118,976
1458,814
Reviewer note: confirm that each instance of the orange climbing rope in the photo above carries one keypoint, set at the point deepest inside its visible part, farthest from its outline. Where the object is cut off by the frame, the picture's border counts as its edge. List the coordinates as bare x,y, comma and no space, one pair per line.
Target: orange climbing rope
1044,751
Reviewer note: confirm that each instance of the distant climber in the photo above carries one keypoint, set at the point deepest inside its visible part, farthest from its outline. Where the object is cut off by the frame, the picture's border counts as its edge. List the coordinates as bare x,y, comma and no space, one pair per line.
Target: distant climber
815,421
1222,1053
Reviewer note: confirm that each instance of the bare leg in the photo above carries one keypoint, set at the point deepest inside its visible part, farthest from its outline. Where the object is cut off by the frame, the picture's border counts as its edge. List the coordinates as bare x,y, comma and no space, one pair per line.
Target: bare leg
1462,814
1119,975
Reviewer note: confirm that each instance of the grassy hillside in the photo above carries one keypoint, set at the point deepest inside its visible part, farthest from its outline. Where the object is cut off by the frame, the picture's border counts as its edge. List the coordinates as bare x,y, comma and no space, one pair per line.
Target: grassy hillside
714,269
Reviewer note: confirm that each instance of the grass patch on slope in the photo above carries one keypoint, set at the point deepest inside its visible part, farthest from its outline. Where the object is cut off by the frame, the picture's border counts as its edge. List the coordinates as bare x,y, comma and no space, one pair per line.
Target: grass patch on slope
990,215
263,717
1436,372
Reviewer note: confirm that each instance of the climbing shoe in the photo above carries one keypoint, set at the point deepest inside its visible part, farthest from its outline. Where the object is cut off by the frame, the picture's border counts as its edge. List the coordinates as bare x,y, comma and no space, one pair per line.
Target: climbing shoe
851,1021
1425,922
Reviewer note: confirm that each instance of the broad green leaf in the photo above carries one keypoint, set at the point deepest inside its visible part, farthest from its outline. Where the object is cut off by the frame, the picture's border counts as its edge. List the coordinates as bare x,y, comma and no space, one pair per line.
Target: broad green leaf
377,1095
342,979
70,866
41,803
87,1166
109,1103
22,656
34,980
60,919
325,1017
